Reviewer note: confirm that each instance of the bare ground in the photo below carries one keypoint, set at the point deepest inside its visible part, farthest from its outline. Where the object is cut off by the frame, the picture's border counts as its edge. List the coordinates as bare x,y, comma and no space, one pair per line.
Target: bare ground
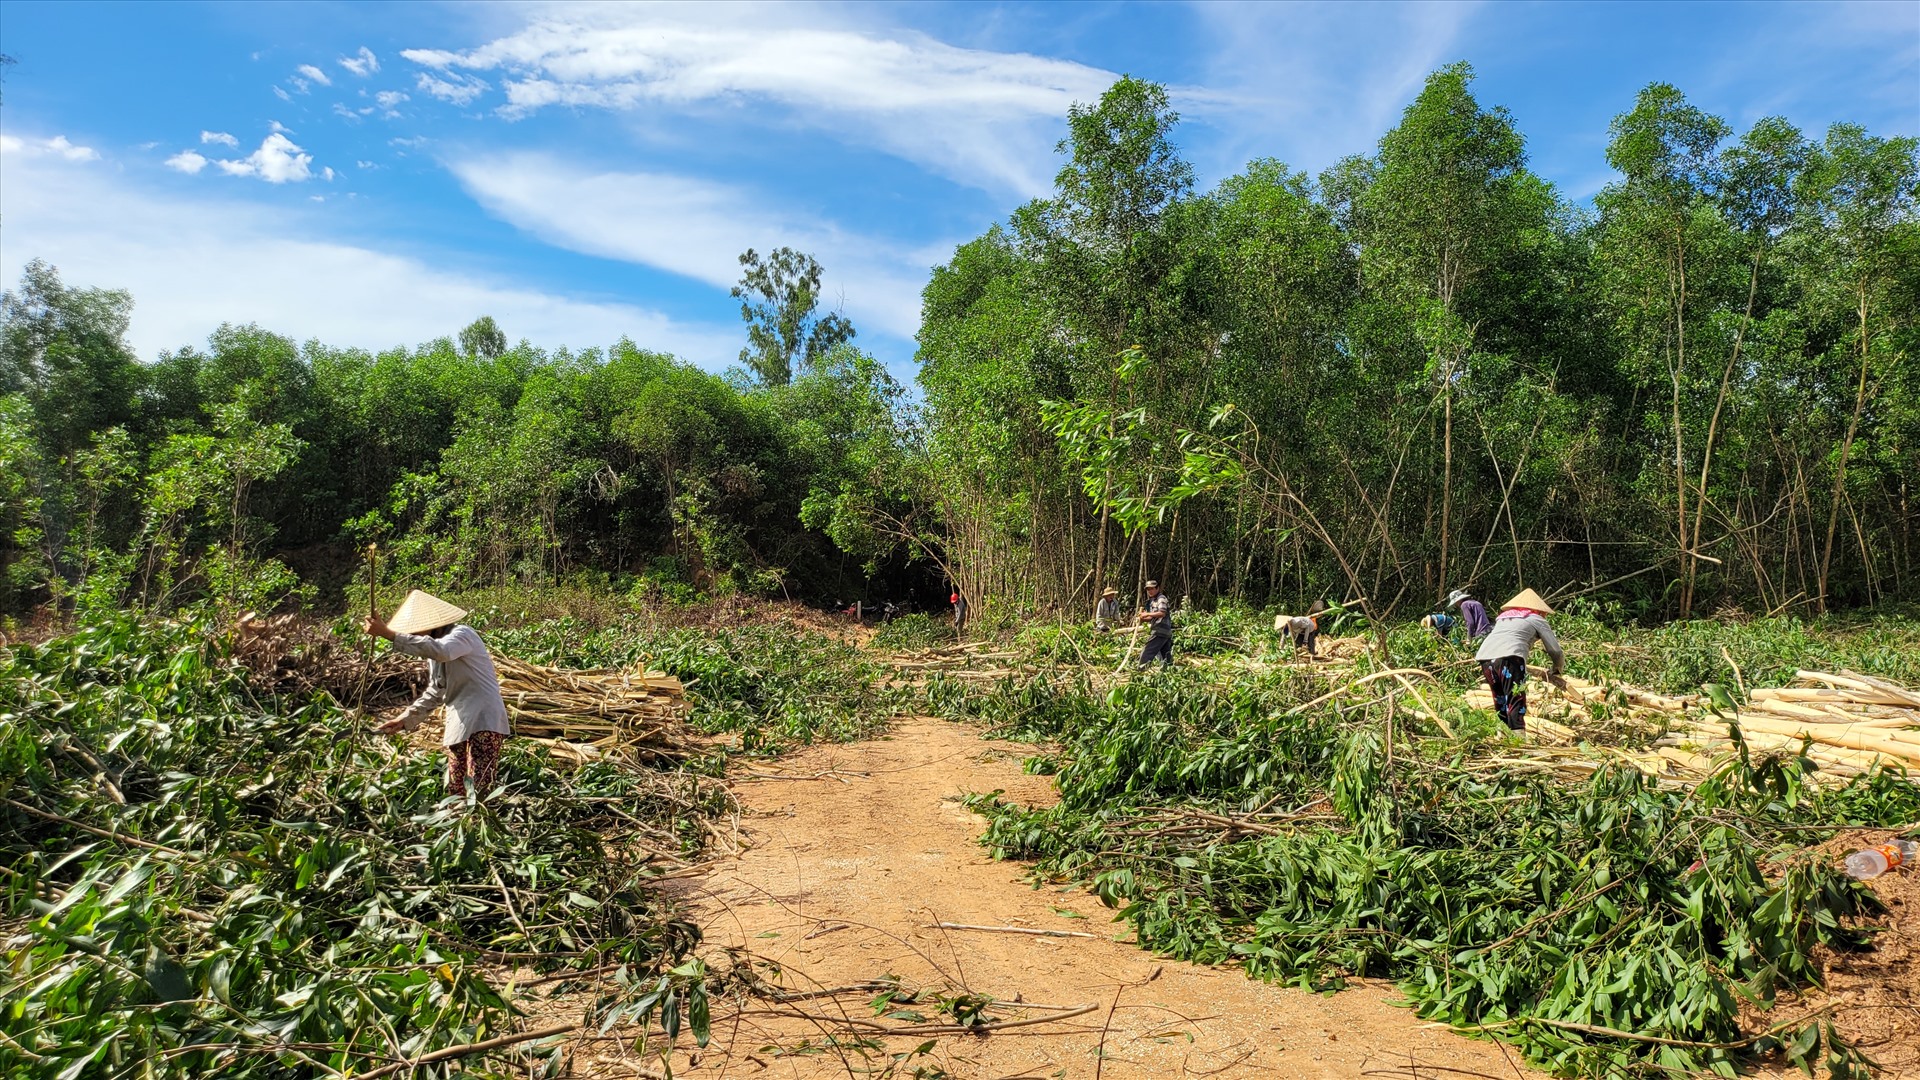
858,850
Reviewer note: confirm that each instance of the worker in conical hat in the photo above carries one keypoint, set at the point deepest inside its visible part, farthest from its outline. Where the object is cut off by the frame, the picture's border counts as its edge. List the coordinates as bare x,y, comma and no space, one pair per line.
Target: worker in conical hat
1503,655
460,676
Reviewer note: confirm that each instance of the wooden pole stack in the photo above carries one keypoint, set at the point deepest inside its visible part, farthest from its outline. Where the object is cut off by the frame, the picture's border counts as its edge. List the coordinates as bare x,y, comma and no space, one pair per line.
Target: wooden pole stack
1846,722
640,715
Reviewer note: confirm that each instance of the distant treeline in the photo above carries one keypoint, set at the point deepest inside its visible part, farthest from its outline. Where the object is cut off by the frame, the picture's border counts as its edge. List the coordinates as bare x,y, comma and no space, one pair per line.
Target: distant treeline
1428,368
1425,368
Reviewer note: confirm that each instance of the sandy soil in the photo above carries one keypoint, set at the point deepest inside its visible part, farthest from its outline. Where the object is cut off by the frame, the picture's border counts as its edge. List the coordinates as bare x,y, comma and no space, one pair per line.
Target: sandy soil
859,850
1873,993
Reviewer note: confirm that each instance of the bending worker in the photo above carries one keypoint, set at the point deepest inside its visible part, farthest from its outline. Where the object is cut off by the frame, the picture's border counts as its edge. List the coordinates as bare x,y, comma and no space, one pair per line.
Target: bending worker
1472,613
1303,630
1158,615
1503,655
460,676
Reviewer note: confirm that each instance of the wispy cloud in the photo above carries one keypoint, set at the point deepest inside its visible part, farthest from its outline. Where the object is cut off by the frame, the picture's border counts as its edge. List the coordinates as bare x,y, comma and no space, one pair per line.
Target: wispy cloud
456,88
389,102
187,161
194,263
694,228
314,74
1320,81
57,146
362,65
982,117
220,137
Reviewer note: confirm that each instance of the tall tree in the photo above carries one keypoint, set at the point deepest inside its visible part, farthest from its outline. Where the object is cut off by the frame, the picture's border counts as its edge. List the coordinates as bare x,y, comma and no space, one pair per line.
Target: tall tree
1659,233
1865,191
778,297
1448,202
483,340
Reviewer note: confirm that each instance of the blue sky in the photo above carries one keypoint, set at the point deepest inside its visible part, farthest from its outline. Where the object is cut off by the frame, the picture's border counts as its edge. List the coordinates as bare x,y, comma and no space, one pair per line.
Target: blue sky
378,175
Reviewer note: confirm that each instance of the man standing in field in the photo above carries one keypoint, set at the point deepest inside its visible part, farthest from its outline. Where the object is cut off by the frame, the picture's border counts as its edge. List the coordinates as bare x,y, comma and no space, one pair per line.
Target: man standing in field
959,615
1503,655
1158,615
1107,611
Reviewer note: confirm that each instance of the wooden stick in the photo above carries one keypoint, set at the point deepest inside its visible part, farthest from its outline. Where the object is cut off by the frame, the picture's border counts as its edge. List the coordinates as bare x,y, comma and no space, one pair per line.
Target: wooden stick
452,1052
1010,930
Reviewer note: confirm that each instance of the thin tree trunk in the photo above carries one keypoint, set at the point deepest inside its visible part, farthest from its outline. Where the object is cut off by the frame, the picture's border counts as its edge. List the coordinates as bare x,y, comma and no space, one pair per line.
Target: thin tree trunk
1713,428
1846,451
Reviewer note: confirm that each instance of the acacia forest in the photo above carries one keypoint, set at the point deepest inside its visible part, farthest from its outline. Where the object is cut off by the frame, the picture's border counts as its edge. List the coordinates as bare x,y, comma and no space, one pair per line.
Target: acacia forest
823,760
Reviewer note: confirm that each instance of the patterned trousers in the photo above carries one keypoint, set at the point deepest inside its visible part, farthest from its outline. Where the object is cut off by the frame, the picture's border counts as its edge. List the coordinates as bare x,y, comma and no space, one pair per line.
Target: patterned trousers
1507,678
477,759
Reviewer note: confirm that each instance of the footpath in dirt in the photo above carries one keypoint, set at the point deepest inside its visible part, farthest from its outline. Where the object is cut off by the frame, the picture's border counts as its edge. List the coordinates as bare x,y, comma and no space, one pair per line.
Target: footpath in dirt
859,851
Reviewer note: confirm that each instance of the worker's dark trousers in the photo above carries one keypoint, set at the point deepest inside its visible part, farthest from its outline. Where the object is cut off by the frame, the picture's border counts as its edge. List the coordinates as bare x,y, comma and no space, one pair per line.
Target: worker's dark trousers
1158,648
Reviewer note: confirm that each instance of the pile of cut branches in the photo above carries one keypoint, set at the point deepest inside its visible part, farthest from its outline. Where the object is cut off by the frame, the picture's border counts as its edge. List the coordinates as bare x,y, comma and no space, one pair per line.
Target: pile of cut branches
635,714
1605,924
196,880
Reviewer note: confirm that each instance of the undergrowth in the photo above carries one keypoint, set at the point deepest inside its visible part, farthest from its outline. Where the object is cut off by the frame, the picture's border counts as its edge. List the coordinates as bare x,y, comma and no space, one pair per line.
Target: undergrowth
1605,926
198,883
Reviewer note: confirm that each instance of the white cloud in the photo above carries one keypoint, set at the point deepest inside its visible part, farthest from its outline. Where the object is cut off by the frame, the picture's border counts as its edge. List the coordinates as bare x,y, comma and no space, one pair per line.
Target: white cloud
362,65
282,94
697,229
1321,81
279,128
187,161
193,263
389,98
455,88
983,117
366,164
219,137
314,74
348,114
278,161
57,146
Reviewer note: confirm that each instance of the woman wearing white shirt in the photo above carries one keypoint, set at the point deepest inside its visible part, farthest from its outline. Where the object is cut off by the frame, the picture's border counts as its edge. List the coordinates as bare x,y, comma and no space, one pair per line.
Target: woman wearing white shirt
460,676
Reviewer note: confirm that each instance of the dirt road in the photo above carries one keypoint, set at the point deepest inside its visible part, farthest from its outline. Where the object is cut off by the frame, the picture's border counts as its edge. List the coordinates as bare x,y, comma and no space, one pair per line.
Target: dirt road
859,850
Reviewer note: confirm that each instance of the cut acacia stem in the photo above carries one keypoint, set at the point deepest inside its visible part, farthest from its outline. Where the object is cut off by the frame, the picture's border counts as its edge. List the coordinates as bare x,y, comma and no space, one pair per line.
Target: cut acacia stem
451,1052
1010,930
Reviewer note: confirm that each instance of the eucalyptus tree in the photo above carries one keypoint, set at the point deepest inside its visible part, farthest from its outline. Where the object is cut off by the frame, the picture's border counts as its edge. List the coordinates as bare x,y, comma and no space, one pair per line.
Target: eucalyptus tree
1863,191
779,295
1661,243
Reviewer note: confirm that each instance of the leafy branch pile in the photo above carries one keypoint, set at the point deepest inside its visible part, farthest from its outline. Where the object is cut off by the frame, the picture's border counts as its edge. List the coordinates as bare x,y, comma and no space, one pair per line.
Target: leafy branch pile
1610,927
196,882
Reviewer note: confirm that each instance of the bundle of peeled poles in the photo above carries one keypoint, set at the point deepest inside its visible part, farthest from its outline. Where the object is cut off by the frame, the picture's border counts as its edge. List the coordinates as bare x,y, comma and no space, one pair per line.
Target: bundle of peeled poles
584,714
1848,723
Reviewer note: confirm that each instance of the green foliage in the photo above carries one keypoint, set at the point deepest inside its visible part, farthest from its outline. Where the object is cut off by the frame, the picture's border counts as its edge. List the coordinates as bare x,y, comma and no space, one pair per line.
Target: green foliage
205,884
1553,916
774,687
913,633
778,296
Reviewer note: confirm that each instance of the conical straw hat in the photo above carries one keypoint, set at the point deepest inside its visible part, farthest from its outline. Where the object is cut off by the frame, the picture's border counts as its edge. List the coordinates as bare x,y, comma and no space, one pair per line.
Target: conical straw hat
1530,600
421,611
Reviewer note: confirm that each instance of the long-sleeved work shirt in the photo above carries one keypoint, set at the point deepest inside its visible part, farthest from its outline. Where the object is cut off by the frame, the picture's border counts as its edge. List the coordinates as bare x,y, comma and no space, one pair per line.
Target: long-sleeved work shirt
1514,635
1475,615
1106,612
460,676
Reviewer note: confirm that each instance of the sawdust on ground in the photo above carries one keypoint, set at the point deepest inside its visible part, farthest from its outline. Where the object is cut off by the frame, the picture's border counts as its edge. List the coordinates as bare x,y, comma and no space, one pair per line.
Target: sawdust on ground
858,850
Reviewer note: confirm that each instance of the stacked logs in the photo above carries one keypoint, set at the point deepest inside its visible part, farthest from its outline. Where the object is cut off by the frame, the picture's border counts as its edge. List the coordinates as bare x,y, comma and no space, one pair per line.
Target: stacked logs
598,712
1845,722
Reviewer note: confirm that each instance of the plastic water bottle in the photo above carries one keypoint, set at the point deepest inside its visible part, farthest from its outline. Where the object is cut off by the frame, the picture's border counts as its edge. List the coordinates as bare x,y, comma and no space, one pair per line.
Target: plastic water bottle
1870,863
